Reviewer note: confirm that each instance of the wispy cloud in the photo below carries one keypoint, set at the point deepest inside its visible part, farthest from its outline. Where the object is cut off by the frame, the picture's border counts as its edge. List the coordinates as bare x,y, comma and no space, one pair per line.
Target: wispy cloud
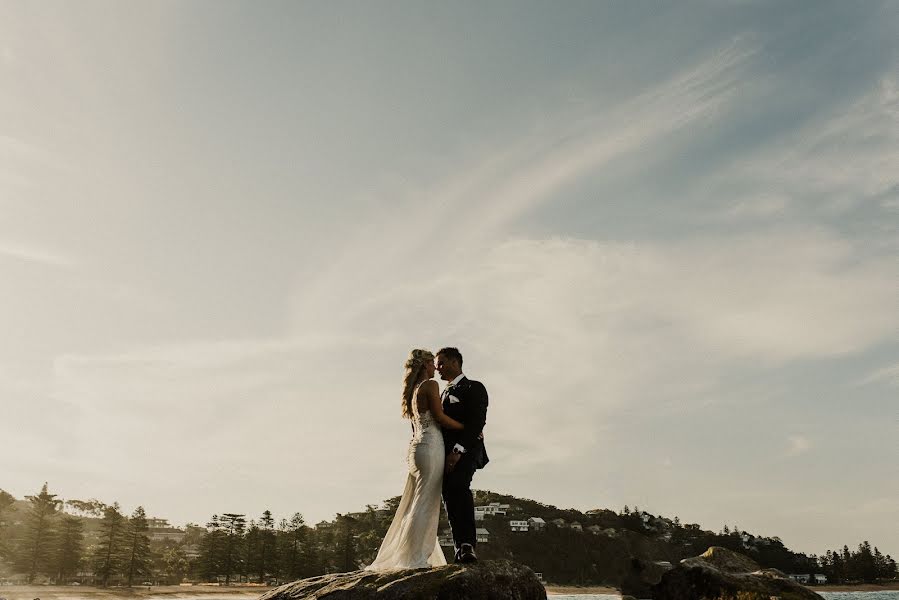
886,375
798,444
35,254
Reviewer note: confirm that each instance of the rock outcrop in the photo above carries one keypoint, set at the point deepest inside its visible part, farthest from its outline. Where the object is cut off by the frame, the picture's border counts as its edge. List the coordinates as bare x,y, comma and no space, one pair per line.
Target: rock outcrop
486,580
721,574
638,576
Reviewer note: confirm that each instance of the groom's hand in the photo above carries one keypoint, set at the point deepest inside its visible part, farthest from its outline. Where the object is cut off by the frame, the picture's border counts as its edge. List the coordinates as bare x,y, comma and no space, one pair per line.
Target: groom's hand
452,459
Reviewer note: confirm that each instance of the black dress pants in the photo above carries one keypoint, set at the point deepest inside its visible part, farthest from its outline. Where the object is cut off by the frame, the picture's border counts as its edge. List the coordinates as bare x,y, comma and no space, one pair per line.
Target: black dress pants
460,503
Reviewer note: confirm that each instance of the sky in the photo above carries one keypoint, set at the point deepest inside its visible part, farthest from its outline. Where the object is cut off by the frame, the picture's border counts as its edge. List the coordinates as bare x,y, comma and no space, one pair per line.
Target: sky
664,236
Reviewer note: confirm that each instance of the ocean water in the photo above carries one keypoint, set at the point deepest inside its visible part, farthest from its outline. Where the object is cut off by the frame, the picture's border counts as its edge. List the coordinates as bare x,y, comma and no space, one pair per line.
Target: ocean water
891,595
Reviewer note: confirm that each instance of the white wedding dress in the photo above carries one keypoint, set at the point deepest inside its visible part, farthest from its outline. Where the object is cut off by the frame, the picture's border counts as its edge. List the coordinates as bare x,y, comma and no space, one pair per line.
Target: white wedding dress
411,542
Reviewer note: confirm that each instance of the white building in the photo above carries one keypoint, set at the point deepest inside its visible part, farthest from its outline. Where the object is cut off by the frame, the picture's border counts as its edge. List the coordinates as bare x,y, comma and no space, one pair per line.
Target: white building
800,577
483,536
159,529
518,525
536,523
820,578
576,526
494,508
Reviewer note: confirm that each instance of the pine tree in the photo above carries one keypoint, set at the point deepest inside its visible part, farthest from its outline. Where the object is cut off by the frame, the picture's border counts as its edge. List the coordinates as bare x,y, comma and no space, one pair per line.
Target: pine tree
266,543
234,526
292,554
345,555
138,546
6,502
70,548
108,554
211,549
251,543
38,542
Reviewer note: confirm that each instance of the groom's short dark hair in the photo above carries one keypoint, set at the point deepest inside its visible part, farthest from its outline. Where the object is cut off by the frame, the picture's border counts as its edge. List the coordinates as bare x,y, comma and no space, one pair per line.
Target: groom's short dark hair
451,352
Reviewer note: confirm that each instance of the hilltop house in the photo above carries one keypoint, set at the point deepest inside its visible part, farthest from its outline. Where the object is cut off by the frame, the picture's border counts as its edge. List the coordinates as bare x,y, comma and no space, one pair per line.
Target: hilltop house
518,525
159,529
494,508
446,537
576,526
536,523
595,529
558,522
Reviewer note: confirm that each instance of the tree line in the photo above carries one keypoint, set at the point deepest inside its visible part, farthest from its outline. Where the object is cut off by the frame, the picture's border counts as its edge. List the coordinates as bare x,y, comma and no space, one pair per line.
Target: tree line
39,542
866,564
51,544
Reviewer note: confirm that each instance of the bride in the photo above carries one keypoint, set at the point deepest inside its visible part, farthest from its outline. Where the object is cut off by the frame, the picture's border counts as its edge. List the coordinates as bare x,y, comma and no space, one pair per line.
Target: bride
411,541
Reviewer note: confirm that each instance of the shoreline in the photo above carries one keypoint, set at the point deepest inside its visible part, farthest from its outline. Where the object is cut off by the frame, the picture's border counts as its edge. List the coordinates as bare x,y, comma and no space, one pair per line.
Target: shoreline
171,592
891,586
89,592
556,590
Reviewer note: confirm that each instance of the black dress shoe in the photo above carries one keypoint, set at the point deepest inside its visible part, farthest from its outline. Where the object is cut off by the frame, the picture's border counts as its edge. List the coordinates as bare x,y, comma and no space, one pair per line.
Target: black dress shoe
467,555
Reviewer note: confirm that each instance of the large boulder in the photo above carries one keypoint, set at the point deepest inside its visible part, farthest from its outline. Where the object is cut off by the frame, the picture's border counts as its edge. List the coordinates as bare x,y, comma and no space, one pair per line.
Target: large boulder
637,576
721,574
486,580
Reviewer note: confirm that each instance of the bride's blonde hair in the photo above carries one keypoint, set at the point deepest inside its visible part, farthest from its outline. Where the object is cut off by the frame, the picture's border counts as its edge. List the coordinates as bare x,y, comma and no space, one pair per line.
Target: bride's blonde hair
415,371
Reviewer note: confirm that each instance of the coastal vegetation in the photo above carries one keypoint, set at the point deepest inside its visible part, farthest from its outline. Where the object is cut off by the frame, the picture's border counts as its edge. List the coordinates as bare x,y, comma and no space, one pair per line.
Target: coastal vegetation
46,539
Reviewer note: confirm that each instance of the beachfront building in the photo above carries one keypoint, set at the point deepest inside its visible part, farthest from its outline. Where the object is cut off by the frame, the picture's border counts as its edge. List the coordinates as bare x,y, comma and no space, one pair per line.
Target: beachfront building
483,536
800,577
536,523
518,525
576,526
820,578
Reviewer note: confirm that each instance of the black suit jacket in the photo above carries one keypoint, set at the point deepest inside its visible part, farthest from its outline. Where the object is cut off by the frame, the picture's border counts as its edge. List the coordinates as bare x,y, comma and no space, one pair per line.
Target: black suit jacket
471,411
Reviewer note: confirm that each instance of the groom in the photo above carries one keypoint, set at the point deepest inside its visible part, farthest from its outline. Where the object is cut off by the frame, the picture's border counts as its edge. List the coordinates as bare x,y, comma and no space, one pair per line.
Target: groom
465,401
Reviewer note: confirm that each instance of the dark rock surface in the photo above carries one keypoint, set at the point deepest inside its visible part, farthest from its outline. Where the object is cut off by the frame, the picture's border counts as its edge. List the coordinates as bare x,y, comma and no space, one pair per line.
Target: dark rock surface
721,574
638,577
486,580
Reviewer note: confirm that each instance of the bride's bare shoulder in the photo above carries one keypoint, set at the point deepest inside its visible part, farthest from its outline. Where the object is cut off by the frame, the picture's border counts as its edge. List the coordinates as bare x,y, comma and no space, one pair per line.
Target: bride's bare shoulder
429,386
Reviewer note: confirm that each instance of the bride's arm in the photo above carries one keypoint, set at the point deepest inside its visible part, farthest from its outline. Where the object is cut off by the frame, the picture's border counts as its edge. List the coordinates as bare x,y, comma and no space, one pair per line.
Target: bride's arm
432,394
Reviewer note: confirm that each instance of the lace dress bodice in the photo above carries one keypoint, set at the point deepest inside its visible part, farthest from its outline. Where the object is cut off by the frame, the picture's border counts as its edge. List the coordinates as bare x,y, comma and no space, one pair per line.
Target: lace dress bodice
424,426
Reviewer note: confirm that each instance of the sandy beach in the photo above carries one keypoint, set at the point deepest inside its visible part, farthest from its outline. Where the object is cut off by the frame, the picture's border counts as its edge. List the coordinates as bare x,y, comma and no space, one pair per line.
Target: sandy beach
172,592
87,592
567,589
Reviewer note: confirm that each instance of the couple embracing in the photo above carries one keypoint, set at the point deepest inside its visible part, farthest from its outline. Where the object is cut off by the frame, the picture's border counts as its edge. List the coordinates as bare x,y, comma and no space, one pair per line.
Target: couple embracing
446,448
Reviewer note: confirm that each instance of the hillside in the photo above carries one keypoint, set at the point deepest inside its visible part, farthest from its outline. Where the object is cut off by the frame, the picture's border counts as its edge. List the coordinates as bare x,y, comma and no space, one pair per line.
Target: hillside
567,546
